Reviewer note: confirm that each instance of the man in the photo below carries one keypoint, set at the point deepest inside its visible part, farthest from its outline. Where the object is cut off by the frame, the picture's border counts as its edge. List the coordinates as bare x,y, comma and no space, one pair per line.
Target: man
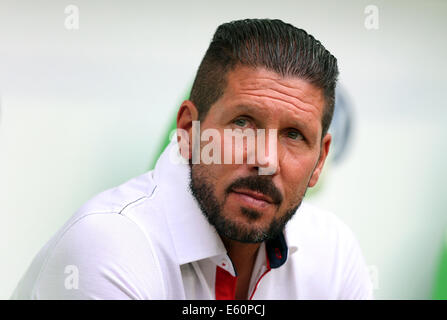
211,227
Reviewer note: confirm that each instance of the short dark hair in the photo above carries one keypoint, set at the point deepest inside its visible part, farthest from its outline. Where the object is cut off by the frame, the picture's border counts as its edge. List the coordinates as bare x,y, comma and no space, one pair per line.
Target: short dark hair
272,44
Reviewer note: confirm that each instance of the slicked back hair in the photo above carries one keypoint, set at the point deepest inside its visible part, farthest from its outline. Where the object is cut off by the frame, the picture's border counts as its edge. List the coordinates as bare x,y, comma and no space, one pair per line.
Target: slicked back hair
272,44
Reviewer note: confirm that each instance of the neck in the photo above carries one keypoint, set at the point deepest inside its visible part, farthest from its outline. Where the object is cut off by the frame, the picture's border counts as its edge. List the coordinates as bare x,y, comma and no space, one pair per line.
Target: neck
243,257
241,254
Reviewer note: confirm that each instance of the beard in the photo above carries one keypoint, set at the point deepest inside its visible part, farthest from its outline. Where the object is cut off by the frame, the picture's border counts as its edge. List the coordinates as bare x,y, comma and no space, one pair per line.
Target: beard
204,193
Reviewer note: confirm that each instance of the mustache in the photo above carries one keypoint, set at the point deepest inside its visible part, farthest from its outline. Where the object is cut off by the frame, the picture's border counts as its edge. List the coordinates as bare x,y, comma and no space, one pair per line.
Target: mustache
262,184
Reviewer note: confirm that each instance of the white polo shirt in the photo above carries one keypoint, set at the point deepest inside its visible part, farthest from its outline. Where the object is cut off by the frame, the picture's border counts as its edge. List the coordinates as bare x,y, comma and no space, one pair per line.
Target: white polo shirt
148,239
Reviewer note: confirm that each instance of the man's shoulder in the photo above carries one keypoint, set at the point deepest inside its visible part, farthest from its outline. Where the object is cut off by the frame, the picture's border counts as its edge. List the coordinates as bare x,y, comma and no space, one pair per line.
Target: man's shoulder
135,199
122,217
117,199
107,254
309,213
103,238
120,207
317,225
329,254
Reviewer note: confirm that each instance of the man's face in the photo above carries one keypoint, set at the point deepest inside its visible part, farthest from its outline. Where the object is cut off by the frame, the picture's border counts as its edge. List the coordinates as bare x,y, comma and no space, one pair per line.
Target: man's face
241,204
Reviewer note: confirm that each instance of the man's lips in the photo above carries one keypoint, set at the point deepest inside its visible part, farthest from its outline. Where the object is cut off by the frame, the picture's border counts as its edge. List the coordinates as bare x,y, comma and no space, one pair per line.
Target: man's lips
254,194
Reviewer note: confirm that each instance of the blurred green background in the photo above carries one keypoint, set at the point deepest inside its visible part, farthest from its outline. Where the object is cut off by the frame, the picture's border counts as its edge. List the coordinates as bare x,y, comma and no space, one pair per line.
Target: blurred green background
85,110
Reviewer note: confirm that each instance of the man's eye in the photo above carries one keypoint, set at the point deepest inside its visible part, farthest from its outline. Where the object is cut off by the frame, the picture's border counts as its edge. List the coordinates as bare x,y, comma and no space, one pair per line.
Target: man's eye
294,134
240,122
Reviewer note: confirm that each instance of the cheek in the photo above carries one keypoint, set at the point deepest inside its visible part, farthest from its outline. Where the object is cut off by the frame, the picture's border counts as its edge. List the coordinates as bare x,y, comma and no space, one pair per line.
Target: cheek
217,175
216,148
298,168
295,187
296,174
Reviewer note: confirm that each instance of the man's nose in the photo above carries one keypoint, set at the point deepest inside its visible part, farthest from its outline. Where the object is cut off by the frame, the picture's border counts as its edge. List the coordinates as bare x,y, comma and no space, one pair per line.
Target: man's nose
266,154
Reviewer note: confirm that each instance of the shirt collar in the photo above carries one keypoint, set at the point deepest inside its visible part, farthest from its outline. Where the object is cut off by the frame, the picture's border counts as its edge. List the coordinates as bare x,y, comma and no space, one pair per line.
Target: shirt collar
194,238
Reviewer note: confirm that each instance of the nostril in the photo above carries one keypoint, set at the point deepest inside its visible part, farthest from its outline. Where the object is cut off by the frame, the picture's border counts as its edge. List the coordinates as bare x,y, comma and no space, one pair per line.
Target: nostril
267,171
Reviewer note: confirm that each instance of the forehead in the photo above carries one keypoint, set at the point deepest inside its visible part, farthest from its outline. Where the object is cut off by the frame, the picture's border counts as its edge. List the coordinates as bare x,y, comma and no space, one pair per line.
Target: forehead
275,94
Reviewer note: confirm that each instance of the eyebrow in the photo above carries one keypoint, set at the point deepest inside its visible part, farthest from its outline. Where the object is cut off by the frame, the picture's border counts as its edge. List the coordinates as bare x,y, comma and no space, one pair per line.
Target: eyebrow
246,107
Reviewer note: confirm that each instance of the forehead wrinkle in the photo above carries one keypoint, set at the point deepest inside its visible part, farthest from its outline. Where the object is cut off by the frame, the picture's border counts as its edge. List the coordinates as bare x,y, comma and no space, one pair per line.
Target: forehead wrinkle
282,86
293,106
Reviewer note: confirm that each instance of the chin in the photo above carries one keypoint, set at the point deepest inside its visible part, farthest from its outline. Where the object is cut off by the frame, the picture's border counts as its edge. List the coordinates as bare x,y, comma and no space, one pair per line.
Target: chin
244,228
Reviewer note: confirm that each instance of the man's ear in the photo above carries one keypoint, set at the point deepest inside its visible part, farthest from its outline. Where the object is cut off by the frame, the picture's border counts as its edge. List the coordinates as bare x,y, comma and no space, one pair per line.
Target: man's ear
325,144
187,113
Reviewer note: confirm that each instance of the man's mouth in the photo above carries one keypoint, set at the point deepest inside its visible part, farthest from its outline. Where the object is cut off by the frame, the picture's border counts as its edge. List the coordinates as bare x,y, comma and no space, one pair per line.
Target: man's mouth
257,196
